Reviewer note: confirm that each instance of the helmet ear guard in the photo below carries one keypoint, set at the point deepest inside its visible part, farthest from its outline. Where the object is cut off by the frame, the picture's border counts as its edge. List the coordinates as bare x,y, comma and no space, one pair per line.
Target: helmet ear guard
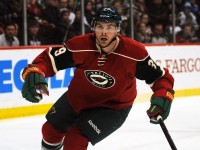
107,14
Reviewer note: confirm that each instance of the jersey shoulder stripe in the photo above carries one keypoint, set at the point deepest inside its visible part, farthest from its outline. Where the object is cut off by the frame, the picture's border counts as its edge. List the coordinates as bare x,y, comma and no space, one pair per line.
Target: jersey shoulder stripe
131,49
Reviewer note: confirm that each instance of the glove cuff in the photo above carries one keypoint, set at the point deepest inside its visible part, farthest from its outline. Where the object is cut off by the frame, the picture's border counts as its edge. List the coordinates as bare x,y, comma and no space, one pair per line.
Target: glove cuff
165,93
30,69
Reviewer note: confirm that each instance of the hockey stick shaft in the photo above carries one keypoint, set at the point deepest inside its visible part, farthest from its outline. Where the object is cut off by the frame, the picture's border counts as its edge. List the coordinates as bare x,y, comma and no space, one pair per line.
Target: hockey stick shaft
167,135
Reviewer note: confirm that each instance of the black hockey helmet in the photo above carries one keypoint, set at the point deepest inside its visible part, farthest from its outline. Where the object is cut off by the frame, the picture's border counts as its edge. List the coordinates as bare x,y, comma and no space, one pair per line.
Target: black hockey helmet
107,14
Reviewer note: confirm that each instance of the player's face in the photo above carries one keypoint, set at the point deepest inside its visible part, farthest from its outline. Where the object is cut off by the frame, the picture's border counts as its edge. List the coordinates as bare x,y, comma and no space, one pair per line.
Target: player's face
105,32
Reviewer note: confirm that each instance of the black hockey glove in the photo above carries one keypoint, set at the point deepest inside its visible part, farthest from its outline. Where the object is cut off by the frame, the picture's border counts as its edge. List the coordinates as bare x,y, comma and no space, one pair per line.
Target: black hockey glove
35,84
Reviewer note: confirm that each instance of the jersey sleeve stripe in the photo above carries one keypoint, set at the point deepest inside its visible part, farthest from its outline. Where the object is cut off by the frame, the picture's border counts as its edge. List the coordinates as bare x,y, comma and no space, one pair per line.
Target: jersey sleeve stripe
151,85
52,61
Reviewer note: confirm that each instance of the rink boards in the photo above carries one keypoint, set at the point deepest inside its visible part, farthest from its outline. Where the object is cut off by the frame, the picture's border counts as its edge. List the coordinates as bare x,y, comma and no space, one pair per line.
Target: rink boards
183,61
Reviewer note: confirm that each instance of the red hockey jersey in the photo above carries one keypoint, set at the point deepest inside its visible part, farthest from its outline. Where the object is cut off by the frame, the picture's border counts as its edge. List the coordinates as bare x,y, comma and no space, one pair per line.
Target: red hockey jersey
100,79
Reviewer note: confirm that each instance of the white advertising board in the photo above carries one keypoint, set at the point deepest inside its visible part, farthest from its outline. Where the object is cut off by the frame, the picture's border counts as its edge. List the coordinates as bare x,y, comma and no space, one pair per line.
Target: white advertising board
183,63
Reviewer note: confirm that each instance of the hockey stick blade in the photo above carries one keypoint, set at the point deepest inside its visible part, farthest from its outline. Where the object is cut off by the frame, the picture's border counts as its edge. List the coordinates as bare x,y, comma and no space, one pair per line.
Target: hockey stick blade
167,135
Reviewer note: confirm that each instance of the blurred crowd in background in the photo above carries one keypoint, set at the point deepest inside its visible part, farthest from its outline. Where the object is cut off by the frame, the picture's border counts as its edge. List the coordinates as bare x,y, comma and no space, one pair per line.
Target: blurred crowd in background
52,22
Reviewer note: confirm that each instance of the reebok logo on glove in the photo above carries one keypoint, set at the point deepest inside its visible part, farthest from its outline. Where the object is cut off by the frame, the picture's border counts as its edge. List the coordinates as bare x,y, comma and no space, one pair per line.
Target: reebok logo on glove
170,95
31,69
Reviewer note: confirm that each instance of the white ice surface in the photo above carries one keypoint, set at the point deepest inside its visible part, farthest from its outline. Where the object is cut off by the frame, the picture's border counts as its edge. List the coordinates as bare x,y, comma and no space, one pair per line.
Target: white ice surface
136,134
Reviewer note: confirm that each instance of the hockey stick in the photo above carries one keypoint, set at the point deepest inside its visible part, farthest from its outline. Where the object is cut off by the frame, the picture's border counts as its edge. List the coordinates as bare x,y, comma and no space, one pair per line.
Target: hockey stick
167,135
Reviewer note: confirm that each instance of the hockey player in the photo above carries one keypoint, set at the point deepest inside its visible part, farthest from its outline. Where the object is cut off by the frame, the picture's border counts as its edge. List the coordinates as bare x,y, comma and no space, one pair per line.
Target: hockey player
103,89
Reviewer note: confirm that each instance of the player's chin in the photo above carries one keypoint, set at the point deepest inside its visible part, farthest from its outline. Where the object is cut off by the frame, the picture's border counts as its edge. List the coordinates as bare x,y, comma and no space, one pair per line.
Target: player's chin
103,42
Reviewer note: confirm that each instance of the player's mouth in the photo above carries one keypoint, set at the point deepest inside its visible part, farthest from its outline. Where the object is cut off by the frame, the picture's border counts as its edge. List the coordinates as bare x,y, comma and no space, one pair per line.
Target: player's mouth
104,39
